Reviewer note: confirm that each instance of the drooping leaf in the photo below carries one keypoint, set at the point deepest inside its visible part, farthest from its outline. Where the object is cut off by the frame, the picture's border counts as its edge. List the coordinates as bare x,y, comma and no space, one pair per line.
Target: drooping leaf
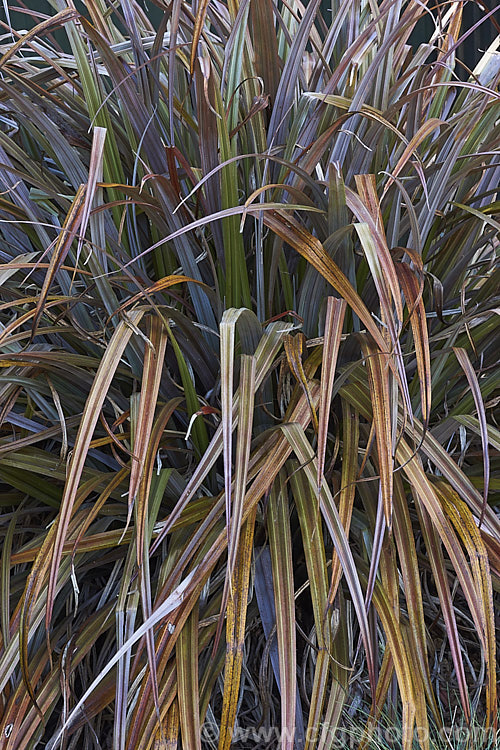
95,400
378,378
335,312
466,365
61,250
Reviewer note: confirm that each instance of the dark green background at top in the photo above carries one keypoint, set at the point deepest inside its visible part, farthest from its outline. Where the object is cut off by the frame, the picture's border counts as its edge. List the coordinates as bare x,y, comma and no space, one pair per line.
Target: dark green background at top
470,51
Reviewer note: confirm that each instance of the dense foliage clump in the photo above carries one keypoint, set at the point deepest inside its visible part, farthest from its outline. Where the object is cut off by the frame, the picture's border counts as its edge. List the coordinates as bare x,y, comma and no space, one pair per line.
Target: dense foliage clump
249,373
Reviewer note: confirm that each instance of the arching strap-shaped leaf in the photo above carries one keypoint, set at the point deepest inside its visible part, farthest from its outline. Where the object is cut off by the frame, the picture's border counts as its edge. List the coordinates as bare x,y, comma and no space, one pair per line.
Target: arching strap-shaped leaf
264,355
61,249
289,229
165,283
172,603
294,347
304,452
367,189
413,295
378,378
465,526
39,30
335,313
280,545
187,653
93,406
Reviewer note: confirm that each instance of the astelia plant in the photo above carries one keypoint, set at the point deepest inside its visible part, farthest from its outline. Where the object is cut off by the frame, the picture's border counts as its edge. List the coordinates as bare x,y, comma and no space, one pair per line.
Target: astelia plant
249,372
